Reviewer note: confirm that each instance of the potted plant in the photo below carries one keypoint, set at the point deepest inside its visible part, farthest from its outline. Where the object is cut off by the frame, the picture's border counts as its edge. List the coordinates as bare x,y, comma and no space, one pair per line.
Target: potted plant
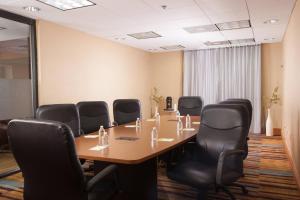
156,99
274,99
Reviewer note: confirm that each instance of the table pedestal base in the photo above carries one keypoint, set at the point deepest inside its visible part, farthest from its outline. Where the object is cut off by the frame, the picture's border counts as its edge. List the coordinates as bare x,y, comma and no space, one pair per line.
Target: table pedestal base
137,181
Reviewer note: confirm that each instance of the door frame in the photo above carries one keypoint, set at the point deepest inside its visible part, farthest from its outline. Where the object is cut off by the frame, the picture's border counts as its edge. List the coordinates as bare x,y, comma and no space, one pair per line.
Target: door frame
33,52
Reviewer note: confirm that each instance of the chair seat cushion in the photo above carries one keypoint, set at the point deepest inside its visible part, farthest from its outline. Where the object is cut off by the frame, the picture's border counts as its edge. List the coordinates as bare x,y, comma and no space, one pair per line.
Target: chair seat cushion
194,173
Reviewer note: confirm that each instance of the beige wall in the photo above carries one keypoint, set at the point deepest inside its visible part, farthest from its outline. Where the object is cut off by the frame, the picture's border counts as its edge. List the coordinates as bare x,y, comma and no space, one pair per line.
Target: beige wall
271,77
167,74
291,90
75,66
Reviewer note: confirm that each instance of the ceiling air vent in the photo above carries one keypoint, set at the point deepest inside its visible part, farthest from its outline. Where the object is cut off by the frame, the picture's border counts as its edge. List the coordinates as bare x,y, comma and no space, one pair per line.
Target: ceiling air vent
201,29
243,41
67,4
144,35
2,28
217,43
234,25
172,47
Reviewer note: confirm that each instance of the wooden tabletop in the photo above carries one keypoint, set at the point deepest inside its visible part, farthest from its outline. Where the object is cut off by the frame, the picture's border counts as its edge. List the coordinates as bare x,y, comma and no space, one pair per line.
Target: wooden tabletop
140,150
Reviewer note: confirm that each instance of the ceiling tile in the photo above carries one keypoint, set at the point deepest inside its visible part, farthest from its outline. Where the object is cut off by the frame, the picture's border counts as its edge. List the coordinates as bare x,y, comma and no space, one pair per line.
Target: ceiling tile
224,10
238,34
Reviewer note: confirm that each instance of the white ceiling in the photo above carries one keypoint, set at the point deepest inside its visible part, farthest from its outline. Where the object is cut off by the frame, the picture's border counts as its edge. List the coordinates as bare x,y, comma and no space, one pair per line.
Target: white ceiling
114,19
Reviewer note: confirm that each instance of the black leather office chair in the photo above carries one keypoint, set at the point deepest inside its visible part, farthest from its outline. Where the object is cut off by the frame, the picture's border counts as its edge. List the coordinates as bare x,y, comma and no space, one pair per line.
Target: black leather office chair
93,114
65,113
247,103
126,111
46,154
191,105
217,159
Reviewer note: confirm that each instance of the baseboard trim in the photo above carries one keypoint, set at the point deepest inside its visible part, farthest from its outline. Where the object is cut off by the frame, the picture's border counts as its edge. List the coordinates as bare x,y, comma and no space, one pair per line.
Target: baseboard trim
276,131
290,158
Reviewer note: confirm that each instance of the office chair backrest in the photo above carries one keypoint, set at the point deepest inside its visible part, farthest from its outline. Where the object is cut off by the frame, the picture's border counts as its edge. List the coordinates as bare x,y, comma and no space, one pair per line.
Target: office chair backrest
46,154
126,110
93,114
65,113
223,127
244,102
191,105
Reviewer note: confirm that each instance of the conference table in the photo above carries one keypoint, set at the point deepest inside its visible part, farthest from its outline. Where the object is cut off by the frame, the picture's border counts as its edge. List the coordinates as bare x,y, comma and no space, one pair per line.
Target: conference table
135,153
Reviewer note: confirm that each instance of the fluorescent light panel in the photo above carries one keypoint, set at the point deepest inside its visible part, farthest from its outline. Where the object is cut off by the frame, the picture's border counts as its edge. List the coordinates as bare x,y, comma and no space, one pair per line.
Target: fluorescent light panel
226,42
234,25
144,35
67,4
201,29
172,47
243,41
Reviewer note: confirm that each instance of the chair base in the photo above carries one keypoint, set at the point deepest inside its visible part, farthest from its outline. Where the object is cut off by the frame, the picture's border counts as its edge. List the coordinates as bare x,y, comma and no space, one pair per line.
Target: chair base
202,194
228,192
244,189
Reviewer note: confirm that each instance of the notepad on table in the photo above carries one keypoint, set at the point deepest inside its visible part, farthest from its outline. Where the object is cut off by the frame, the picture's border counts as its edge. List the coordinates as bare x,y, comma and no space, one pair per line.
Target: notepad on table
98,148
151,120
130,126
91,136
165,139
188,129
195,122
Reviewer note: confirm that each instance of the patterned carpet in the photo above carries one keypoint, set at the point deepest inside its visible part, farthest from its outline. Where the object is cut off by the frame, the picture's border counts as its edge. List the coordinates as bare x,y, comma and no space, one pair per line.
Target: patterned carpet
268,176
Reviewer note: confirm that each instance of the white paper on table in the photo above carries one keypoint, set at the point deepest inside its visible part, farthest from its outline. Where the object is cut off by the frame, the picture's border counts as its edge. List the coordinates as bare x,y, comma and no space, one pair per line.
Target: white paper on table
195,122
130,126
188,129
91,136
98,148
151,120
165,139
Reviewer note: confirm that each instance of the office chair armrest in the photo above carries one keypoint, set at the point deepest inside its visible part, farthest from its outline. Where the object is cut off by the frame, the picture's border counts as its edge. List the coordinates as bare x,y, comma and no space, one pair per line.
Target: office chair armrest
81,132
100,176
223,160
115,124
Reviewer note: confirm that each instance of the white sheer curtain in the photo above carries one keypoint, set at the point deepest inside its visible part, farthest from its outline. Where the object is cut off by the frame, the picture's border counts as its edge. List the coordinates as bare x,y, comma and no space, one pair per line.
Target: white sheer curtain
222,73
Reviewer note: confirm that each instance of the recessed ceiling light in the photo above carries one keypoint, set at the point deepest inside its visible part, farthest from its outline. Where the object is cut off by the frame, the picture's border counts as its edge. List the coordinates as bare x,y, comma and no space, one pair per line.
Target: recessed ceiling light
201,29
67,4
152,49
120,39
164,7
225,42
271,21
172,47
269,39
31,8
234,25
144,35
242,41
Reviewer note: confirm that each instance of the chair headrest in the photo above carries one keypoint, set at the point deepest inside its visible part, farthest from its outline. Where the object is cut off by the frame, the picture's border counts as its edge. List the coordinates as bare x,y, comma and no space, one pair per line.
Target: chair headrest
92,108
63,111
127,105
224,116
45,125
190,101
239,101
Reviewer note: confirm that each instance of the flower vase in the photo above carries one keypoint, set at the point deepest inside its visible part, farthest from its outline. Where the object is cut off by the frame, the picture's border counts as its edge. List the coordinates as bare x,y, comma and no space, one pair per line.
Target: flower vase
269,124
